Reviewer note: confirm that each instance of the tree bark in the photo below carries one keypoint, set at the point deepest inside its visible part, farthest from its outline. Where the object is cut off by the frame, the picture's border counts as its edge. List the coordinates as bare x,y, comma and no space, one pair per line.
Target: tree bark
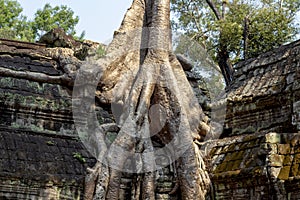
64,79
245,36
225,63
222,54
140,71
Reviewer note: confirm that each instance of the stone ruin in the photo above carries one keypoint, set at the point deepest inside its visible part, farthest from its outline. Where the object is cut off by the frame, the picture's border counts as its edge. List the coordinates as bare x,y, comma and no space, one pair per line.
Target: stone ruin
258,153
41,156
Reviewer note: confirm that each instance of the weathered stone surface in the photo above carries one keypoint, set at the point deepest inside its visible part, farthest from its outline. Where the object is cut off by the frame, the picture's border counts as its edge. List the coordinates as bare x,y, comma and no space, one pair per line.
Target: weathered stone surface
246,164
34,160
258,156
41,156
185,63
58,38
264,95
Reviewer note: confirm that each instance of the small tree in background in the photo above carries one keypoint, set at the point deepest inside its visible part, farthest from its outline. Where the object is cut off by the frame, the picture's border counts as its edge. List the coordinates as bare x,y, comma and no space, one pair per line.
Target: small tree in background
14,25
53,17
10,13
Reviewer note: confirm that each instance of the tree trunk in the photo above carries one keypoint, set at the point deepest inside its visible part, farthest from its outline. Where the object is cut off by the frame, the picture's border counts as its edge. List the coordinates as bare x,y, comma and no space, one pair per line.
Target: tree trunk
223,54
225,64
141,74
245,36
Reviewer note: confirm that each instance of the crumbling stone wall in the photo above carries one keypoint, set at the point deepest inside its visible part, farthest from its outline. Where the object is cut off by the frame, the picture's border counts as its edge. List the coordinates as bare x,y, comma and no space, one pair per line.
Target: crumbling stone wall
258,155
256,166
41,154
265,93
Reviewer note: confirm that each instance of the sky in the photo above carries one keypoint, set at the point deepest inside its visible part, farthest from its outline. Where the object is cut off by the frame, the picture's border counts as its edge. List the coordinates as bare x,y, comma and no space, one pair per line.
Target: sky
99,18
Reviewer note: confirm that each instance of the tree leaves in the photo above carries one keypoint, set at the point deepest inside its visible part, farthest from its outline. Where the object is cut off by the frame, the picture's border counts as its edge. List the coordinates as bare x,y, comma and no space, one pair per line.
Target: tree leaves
272,23
54,17
9,13
14,25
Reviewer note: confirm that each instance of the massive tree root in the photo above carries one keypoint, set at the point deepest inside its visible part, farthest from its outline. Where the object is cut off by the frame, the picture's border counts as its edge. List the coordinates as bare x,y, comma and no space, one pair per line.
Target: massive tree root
152,98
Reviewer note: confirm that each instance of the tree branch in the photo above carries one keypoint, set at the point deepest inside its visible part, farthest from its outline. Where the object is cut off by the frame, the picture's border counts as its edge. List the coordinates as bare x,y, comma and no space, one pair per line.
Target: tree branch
38,77
214,9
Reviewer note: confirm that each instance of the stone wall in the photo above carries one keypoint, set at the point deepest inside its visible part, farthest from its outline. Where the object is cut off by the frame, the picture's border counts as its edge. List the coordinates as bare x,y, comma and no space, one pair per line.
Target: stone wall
258,154
256,166
37,165
265,93
41,156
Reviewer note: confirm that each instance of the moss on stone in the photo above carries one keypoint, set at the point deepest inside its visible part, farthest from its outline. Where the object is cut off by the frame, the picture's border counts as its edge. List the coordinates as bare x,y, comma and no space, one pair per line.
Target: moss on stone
234,155
229,166
110,137
213,151
231,148
284,173
240,155
40,102
252,143
221,167
239,131
284,149
250,162
228,157
288,159
236,165
294,169
297,158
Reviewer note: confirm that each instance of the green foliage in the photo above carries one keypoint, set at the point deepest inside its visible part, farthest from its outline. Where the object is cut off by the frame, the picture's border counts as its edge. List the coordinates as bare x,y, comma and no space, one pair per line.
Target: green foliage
78,156
24,31
80,37
271,24
9,13
110,137
100,52
276,29
53,17
14,25
7,33
50,143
